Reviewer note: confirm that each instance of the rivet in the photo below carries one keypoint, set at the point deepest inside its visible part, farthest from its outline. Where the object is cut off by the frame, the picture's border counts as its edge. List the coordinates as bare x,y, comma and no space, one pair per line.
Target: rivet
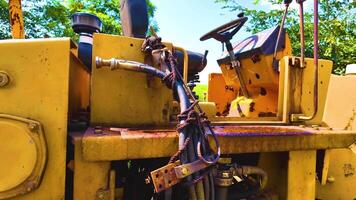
184,171
315,127
33,127
98,131
331,179
4,79
225,175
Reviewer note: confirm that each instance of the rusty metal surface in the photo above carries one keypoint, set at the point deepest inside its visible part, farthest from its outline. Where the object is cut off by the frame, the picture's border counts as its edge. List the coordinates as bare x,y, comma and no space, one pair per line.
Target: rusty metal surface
122,144
233,131
165,177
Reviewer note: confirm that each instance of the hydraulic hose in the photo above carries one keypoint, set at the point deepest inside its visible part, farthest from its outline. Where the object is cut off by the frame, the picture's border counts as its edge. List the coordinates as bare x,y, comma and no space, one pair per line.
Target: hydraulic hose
184,102
192,125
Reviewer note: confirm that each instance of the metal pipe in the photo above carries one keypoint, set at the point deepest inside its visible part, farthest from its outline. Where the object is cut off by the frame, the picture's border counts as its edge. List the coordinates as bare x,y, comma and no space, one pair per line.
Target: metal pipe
316,65
302,42
237,66
114,64
206,187
250,170
221,192
112,184
16,19
212,186
185,63
200,190
280,31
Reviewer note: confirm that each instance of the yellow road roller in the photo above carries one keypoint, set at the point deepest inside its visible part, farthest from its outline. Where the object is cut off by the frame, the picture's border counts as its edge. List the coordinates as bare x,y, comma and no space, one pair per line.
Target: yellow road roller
114,117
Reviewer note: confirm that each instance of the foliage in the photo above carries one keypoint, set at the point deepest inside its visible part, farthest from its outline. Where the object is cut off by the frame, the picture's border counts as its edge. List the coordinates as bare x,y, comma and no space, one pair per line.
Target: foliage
337,28
51,18
200,90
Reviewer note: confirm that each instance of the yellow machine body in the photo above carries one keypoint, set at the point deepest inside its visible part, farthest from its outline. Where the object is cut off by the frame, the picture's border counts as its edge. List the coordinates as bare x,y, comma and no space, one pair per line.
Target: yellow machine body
134,99
47,83
294,93
261,80
44,87
340,111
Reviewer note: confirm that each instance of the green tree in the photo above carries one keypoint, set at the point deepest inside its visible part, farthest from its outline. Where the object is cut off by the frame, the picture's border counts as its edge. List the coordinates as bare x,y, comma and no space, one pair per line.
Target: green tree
51,18
337,28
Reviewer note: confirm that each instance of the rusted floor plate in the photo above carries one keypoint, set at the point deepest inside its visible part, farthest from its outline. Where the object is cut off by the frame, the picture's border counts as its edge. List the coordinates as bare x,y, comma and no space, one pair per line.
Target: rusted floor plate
122,144
237,131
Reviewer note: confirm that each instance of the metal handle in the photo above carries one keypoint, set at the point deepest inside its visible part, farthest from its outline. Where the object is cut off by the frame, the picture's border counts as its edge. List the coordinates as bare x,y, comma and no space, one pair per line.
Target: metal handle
185,63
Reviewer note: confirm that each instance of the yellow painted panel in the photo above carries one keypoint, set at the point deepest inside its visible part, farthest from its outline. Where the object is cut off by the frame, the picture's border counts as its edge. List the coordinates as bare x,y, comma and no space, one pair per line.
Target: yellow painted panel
261,81
340,111
307,106
39,73
340,108
301,175
89,177
122,97
18,152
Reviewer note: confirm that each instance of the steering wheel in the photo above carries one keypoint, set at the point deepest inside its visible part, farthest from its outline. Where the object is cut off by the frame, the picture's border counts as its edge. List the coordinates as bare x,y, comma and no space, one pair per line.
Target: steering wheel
222,33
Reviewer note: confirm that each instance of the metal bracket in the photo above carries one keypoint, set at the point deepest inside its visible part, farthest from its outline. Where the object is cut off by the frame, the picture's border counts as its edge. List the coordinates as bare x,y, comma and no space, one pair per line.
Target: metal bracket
165,177
171,174
296,62
352,147
185,170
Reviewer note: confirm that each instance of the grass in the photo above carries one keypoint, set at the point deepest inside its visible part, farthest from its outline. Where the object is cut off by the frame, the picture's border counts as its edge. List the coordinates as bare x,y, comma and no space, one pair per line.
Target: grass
200,89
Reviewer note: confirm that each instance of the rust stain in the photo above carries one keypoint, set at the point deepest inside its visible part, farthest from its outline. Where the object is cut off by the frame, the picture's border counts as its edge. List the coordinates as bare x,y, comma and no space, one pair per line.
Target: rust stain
349,170
221,131
258,131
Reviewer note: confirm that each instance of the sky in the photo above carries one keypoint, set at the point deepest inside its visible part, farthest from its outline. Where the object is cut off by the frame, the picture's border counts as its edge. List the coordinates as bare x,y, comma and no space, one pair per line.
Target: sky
183,22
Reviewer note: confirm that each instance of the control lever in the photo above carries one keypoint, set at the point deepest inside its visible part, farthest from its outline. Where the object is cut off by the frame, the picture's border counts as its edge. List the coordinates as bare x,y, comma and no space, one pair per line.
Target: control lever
204,58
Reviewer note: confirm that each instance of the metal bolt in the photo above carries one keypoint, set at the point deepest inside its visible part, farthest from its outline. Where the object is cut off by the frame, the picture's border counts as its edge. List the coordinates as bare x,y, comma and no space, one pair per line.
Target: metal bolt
148,180
331,179
315,127
33,127
4,79
30,185
184,171
101,195
225,175
98,130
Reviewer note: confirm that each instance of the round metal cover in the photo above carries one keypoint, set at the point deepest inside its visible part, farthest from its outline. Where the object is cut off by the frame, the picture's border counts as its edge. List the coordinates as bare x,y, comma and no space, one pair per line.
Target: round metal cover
22,155
85,22
18,155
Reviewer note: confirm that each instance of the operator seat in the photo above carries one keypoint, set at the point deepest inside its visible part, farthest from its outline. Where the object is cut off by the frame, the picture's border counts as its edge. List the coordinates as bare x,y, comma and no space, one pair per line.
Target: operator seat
262,43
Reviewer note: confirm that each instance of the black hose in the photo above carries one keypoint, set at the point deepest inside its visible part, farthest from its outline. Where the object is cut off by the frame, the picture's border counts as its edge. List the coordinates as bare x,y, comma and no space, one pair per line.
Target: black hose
191,153
221,193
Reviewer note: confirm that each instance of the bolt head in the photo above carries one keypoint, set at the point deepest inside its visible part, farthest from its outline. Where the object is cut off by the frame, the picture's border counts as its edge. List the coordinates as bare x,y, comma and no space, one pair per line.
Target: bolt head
4,79
33,127
225,175
184,171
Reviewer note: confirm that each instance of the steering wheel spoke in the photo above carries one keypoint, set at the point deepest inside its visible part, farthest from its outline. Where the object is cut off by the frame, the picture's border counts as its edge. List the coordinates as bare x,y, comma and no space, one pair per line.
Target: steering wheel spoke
223,33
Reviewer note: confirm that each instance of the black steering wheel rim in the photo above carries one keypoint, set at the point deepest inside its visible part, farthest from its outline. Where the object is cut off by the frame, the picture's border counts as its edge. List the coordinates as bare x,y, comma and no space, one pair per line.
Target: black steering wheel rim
222,32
